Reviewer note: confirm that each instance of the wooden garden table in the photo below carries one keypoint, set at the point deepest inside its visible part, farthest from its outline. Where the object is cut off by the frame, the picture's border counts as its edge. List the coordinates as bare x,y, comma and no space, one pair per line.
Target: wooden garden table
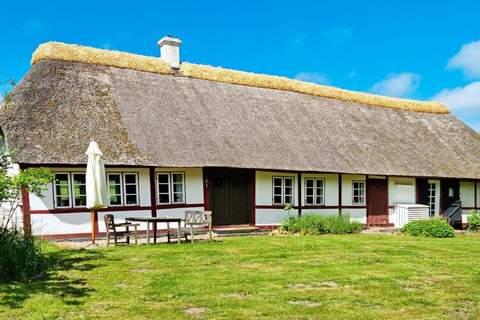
154,221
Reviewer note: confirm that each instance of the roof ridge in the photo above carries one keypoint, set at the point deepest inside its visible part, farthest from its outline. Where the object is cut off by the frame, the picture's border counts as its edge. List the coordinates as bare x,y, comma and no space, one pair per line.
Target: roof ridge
119,59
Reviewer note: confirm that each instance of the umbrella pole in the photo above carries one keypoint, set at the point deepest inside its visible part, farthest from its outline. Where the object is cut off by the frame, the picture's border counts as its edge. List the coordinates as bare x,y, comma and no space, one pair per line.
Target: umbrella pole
93,226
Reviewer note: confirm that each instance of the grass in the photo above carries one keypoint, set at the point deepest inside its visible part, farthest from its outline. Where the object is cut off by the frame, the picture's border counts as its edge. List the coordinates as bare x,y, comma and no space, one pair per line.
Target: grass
291,277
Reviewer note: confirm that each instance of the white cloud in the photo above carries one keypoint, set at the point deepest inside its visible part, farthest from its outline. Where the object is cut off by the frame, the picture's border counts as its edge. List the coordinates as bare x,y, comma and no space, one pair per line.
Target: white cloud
460,98
397,84
314,77
467,60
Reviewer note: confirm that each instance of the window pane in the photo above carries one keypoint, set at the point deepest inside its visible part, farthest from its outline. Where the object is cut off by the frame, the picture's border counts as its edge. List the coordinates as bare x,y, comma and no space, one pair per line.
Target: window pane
115,189
288,199
62,190
163,188
177,177
163,178
163,198
288,182
63,202
130,189
277,190
288,191
115,199
309,192
131,199
277,182
130,178
177,187
319,200
178,197
277,199
61,178
309,200
114,178
79,178
80,201
309,183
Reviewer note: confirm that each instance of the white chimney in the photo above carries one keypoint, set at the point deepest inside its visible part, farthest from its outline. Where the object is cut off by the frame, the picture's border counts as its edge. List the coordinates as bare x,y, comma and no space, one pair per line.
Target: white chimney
170,50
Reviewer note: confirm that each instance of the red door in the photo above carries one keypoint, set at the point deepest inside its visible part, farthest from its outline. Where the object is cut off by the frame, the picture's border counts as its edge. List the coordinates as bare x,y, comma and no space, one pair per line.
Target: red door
377,201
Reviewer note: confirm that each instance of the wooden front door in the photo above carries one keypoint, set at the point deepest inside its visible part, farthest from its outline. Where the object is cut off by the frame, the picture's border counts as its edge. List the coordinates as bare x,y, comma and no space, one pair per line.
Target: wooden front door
377,201
230,196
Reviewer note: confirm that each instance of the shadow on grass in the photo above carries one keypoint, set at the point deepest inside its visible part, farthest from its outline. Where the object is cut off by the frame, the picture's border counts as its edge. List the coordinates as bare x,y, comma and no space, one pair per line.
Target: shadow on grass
57,280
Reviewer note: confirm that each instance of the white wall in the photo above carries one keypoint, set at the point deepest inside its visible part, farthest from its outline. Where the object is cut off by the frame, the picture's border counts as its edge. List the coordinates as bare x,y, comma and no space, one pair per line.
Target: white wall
264,186
467,193
331,187
347,187
274,216
401,190
80,222
264,194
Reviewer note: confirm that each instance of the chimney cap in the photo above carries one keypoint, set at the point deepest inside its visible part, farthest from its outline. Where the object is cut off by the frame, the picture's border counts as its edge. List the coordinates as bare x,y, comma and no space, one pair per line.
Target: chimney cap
171,40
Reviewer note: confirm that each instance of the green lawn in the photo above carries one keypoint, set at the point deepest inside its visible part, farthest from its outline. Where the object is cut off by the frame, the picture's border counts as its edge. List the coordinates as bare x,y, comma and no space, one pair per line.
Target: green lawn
327,277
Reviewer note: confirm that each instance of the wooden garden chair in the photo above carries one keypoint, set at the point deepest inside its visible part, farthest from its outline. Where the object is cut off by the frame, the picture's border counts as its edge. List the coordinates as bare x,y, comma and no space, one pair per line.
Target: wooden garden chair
195,219
111,228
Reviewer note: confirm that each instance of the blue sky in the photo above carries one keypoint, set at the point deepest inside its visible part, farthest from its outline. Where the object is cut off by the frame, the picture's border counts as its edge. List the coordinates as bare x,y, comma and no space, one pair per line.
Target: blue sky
414,49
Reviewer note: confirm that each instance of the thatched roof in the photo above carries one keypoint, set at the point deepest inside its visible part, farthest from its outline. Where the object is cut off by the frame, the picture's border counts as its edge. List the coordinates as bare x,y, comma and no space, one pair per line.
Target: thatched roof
151,119
76,53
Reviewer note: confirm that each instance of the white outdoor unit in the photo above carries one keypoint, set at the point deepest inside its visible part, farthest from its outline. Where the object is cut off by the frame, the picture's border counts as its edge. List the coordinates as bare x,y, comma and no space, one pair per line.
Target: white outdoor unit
404,213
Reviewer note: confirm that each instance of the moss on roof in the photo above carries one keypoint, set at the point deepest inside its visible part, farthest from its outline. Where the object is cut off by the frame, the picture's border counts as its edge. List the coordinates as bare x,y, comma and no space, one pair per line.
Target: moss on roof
67,52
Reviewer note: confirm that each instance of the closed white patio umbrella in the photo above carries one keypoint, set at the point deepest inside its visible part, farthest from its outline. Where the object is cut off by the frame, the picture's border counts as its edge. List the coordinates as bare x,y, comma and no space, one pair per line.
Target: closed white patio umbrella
96,184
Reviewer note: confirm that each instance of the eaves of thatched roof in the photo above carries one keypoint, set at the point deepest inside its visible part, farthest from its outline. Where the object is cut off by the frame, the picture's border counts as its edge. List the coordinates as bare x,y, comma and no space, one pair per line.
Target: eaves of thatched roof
182,119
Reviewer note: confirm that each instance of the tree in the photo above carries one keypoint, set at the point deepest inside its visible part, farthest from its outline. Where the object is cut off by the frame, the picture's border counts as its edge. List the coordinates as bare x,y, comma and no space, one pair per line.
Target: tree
33,180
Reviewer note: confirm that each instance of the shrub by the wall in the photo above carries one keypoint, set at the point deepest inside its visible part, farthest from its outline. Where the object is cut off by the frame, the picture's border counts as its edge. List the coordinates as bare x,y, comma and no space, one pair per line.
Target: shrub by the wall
320,224
435,228
474,221
21,256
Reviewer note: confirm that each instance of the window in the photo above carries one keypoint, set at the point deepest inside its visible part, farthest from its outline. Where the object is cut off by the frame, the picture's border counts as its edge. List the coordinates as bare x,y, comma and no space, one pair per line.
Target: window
70,189
314,191
62,190
163,188
358,192
282,190
171,187
177,187
432,194
79,190
115,189
130,189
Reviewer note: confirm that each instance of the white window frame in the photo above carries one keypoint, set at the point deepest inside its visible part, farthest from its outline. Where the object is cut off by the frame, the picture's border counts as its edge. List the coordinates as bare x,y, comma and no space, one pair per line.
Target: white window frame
282,188
69,190
172,189
73,188
315,194
124,189
436,199
121,189
170,184
364,192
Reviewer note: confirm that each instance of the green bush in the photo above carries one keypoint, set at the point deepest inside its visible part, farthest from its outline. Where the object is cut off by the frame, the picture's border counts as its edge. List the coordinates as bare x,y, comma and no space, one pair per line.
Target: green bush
321,224
435,228
21,256
474,221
